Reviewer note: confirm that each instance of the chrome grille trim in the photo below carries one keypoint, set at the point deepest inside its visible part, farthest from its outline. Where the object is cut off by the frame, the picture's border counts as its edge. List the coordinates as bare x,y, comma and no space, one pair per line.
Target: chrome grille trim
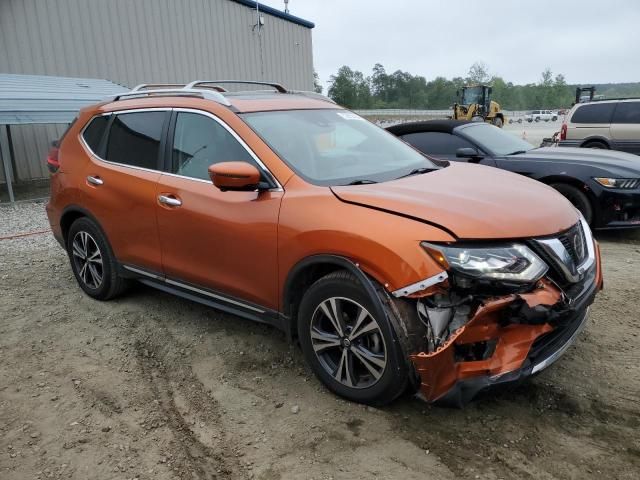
572,253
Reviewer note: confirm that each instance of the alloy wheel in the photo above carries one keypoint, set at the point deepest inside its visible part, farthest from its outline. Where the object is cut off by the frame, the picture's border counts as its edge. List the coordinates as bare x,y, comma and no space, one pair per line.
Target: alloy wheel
348,342
87,259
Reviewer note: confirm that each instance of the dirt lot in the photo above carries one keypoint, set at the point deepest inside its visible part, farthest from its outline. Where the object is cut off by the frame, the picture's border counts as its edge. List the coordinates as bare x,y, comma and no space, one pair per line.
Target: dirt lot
154,387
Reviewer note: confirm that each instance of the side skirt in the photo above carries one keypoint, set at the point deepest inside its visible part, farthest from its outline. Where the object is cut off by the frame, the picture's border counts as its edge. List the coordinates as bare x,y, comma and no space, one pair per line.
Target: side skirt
204,296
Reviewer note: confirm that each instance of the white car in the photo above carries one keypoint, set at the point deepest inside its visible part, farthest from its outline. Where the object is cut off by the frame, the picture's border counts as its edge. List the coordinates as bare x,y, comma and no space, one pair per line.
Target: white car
541,115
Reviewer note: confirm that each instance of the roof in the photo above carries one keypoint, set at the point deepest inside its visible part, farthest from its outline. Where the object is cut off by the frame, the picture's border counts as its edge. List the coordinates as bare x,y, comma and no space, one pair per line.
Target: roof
28,99
444,126
276,13
246,102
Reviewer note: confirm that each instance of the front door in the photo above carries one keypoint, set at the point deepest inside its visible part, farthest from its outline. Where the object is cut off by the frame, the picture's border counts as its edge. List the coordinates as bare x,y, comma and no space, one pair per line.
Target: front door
225,242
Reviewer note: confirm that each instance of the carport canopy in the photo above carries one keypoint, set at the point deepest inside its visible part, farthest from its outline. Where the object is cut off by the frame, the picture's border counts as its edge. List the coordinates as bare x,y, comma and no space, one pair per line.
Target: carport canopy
41,99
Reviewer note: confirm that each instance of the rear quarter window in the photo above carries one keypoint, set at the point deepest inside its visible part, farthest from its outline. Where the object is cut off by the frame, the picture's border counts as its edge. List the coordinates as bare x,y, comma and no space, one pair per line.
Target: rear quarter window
94,132
627,112
593,113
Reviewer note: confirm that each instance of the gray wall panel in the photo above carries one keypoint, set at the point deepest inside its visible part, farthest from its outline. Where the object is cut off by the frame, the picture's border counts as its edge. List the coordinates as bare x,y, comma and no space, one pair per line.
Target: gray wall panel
142,41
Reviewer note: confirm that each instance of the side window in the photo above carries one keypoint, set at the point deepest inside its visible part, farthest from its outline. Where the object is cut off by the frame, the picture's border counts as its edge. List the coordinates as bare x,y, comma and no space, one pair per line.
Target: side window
436,143
627,112
134,139
199,142
593,113
95,130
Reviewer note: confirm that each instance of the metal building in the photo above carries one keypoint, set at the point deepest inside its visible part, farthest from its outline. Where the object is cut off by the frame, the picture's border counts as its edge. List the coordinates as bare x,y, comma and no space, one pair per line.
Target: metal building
148,41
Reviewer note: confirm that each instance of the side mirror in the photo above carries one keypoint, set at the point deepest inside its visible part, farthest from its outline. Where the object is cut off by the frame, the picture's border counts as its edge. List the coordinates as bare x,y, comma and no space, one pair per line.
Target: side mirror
234,176
468,152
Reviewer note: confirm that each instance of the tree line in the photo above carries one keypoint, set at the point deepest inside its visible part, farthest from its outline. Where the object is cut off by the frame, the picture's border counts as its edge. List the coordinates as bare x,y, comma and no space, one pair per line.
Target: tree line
399,89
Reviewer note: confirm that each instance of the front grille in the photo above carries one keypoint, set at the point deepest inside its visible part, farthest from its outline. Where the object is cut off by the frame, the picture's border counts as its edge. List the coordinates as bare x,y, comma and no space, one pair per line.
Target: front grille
564,254
630,184
575,243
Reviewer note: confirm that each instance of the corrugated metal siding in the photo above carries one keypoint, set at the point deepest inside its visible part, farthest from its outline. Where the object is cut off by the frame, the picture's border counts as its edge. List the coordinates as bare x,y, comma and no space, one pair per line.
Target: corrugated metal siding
142,41
47,99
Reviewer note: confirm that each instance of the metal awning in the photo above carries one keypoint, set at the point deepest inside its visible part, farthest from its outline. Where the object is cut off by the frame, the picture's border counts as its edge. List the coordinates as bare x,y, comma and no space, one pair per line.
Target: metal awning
39,99
28,99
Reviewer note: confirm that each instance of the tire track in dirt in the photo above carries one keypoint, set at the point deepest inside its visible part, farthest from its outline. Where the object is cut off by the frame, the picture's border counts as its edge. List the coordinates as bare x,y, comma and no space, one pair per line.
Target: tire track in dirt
206,460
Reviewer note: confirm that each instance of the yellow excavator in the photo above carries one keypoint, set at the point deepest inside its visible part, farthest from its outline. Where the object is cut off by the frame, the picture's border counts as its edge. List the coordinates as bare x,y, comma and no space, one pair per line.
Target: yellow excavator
474,103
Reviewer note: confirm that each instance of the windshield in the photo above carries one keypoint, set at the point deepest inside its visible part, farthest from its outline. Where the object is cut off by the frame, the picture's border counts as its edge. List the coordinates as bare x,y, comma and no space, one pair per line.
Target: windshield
494,140
336,147
471,95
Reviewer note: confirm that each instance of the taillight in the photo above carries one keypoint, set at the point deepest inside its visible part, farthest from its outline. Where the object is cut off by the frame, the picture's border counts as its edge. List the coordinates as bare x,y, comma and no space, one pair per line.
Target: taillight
52,158
563,132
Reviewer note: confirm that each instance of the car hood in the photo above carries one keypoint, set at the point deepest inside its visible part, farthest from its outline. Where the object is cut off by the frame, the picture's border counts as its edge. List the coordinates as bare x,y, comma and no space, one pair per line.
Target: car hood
470,202
620,162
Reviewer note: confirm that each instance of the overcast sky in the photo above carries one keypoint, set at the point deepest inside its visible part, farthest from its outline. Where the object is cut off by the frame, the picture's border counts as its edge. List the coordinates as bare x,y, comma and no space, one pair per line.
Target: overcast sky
587,41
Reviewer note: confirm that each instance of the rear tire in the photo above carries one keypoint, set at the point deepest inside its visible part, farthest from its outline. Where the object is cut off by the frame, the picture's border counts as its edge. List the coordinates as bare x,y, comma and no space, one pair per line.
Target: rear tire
497,122
92,260
577,198
366,367
596,144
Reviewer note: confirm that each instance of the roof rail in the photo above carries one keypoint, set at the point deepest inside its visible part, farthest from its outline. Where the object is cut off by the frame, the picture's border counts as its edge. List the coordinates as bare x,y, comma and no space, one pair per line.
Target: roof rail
200,83
614,98
170,92
156,86
207,89
315,95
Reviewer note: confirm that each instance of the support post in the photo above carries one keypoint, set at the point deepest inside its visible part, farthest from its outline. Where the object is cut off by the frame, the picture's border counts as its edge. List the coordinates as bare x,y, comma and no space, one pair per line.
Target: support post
5,153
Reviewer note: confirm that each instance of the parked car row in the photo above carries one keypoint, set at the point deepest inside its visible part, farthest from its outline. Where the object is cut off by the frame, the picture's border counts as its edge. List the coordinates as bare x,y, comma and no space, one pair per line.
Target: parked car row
541,116
393,269
537,116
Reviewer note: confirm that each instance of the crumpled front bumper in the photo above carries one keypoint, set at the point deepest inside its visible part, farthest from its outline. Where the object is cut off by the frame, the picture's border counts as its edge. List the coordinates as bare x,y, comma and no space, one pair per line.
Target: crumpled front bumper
521,349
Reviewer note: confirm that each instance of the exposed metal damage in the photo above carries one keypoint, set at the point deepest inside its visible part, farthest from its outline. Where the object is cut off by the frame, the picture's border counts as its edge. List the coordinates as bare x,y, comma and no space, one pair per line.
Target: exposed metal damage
472,339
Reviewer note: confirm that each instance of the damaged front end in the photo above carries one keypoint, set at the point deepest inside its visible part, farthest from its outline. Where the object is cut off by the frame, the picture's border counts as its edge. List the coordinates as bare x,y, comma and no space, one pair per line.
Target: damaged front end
480,331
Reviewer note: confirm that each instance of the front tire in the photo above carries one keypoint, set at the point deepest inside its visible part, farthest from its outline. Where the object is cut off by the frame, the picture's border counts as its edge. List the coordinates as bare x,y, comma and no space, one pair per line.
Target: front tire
577,198
355,354
497,122
92,260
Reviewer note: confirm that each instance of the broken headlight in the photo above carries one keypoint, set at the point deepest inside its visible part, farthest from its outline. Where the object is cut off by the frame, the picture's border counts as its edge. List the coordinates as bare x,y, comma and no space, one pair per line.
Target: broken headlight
512,263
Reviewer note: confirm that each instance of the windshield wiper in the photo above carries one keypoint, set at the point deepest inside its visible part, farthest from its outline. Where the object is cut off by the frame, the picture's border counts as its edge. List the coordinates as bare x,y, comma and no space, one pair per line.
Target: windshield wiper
418,171
517,152
362,181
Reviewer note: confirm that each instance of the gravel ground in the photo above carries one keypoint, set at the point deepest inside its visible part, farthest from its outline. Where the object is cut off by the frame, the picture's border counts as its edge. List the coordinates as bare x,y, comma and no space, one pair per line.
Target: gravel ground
150,386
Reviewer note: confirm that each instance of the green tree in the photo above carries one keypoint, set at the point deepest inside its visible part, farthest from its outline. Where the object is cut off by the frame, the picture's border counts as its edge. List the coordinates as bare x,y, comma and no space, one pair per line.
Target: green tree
317,87
478,73
350,89
401,89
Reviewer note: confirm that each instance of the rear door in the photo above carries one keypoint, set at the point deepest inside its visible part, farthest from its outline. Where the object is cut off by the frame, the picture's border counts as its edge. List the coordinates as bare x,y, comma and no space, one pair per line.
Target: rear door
218,244
590,120
442,145
119,187
625,127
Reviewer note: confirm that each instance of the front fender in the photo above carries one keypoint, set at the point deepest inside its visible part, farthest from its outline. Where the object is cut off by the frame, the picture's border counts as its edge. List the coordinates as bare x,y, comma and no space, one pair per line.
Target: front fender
385,246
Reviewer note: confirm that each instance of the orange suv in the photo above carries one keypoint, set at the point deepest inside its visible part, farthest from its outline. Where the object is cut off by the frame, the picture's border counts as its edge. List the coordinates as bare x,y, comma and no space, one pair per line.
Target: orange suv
394,271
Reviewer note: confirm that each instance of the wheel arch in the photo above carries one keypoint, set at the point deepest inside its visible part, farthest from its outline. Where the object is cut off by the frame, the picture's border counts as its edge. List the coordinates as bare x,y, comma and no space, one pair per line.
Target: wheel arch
73,212
580,185
595,139
309,270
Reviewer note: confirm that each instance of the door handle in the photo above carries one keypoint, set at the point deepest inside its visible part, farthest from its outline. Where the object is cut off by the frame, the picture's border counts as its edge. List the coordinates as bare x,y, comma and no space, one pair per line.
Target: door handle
169,201
95,180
